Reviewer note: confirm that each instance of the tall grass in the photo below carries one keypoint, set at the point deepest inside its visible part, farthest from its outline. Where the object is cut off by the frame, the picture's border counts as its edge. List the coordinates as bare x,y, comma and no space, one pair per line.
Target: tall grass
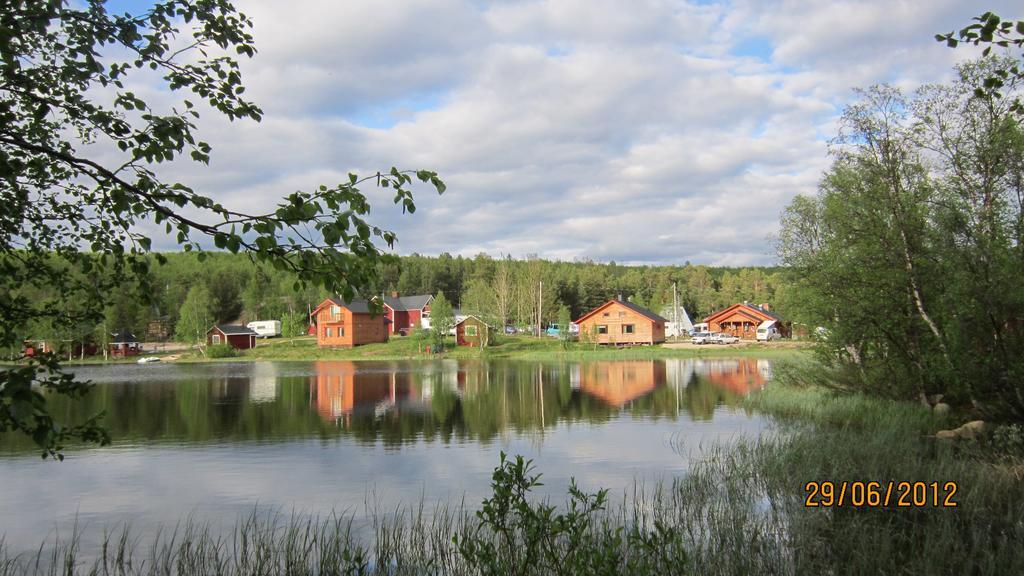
739,510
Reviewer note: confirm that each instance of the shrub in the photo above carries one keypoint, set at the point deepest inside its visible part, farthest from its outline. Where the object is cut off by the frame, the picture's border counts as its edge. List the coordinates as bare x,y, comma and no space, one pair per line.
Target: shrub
220,351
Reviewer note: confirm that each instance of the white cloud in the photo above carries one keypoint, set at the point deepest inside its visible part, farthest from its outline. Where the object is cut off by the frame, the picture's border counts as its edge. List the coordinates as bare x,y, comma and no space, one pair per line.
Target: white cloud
648,131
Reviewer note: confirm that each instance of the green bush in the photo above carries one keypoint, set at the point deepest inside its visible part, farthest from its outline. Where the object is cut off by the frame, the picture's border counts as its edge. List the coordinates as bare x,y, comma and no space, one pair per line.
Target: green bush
221,351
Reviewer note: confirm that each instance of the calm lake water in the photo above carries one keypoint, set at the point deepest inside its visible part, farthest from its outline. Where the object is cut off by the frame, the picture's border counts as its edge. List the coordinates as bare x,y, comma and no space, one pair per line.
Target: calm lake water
213,441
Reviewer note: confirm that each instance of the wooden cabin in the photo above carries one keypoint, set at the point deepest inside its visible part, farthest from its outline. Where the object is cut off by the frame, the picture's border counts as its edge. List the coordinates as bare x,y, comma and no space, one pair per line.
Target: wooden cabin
341,324
741,320
407,312
472,331
233,335
123,344
621,323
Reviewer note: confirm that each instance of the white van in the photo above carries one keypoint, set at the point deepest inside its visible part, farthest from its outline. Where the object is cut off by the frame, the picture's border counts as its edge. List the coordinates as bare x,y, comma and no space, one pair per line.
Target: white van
265,328
767,331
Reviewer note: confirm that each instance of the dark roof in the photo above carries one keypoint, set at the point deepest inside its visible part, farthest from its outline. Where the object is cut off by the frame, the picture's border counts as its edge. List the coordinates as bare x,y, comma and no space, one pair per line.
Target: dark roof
356,306
403,303
232,329
638,309
643,311
122,336
763,311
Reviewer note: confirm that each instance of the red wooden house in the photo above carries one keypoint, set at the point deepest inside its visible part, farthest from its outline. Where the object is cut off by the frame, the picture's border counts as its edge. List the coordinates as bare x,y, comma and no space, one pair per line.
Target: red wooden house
233,335
406,312
124,343
341,324
619,322
741,320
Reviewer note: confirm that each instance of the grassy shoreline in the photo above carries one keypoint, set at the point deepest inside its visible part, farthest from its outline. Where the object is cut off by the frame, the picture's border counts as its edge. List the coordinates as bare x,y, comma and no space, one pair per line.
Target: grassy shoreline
740,510
507,348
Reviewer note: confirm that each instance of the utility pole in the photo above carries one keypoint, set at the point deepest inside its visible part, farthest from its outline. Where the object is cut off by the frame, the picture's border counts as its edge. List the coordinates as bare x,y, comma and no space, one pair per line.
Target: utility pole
675,308
540,304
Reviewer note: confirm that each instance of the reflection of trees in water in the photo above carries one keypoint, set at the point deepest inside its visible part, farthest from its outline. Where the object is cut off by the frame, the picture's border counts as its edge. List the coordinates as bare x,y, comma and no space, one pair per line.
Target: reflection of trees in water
396,403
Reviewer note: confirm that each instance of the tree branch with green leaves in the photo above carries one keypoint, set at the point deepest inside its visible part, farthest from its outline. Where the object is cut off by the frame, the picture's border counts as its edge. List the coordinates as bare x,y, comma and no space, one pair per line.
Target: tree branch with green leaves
79,181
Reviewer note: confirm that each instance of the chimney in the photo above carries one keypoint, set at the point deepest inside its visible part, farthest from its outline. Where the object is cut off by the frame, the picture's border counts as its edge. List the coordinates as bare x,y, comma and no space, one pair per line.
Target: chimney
620,297
394,294
745,303
766,307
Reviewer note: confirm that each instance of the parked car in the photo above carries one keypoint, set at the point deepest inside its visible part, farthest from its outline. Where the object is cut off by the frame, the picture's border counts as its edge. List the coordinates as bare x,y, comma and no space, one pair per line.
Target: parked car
702,338
553,330
510,329
725,338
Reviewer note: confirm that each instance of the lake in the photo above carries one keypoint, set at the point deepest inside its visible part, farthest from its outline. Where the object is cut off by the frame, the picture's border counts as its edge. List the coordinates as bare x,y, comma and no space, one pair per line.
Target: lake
214,441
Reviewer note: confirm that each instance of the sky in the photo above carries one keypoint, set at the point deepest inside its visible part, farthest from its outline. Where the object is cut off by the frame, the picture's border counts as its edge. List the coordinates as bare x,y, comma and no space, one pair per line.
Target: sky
644,132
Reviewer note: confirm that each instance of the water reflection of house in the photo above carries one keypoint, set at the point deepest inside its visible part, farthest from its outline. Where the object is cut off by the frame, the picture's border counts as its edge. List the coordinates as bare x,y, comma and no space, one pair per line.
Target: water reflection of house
741,376
617,382
341,389
263,386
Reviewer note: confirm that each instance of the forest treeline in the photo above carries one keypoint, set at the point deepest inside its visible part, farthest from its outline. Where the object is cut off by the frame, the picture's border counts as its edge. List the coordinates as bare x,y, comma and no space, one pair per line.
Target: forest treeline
221,287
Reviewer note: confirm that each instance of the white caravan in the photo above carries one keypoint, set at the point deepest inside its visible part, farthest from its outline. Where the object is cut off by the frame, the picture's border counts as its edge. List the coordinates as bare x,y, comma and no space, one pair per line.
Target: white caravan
265,328
766,331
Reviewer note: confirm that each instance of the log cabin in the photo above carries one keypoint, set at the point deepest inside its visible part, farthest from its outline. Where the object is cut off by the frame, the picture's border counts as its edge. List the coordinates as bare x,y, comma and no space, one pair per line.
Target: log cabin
742,319
621,323
341,324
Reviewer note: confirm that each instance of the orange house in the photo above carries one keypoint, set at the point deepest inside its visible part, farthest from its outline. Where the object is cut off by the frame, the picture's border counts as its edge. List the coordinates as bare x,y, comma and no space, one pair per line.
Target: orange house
341,324
618,322
741,320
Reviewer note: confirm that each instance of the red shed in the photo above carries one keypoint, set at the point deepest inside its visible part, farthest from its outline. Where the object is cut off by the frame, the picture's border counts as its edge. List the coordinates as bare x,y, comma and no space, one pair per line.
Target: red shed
236,336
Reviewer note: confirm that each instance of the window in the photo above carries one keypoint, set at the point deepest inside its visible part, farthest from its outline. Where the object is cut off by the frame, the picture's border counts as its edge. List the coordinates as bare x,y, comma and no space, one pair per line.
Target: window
627,328
216,338
328,332
470,330
602,329
335,311
341,332
606,314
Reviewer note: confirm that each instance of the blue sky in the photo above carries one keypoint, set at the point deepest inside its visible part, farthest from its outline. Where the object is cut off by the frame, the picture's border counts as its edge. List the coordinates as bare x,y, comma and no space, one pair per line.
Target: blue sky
647,131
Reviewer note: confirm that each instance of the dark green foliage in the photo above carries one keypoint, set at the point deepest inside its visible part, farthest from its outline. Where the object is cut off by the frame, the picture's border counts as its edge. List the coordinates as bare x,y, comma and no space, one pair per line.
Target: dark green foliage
991,30
911,254
78,156
516,536
221,351
23,398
